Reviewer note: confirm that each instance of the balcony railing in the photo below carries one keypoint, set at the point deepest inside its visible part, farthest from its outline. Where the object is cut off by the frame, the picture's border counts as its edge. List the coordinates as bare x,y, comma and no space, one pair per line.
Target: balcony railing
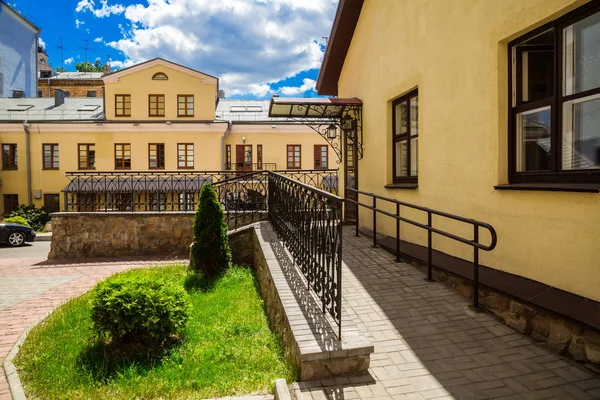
244,166
309,222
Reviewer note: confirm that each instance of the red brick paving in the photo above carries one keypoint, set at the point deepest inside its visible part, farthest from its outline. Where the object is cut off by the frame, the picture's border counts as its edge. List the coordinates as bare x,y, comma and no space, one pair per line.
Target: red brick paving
14,320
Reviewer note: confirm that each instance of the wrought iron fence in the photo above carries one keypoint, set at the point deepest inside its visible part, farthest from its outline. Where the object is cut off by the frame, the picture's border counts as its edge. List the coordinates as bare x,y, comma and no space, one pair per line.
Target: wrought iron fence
309,222
242,193
249,167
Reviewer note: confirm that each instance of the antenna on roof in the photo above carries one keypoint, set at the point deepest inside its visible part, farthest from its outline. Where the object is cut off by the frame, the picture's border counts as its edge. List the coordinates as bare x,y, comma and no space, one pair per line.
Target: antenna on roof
86,48
62,60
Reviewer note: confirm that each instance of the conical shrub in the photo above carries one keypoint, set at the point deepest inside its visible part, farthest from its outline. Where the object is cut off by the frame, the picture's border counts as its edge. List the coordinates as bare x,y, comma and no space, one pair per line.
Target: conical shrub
210,253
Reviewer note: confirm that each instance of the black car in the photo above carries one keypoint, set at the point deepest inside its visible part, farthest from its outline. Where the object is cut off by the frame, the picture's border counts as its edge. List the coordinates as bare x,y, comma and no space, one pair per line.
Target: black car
15,234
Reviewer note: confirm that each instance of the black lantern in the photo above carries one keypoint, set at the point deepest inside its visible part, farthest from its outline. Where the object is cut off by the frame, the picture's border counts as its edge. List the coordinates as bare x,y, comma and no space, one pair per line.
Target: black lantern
331,131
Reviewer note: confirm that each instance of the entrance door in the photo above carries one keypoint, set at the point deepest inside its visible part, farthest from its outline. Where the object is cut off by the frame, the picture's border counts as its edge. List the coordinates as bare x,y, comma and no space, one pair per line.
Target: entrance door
350,177
243,157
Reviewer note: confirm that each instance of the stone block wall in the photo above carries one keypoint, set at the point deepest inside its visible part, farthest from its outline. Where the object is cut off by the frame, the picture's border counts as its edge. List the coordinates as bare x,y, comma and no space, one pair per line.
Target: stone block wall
123,234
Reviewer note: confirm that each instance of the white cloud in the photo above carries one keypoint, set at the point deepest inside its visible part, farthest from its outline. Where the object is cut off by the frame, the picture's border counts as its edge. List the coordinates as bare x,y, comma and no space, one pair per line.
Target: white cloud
69,61
104,11
248,45
78,23
307,84
41,42
98,39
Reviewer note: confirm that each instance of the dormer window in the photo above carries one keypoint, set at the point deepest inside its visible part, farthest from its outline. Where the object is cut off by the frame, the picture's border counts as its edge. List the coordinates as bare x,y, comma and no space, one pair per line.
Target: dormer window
159,76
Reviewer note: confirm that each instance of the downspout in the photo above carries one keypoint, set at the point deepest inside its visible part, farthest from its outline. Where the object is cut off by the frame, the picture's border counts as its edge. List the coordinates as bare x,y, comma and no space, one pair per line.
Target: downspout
28,162
223,155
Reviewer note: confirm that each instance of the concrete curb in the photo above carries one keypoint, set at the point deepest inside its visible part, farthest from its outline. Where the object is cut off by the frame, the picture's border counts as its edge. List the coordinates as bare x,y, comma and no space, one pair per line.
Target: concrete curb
43,238
12,376
282,392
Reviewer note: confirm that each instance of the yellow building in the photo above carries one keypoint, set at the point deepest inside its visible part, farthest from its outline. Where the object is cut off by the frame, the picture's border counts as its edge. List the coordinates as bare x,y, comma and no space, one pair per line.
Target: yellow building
489,110
157,117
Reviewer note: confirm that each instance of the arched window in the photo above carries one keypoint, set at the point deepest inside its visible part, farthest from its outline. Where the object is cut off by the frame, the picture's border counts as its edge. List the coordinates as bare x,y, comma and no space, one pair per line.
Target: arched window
159,76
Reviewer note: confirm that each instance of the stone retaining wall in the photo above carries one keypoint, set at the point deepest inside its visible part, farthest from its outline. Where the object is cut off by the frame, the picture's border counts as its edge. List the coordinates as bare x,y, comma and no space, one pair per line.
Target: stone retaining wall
309,339
121,234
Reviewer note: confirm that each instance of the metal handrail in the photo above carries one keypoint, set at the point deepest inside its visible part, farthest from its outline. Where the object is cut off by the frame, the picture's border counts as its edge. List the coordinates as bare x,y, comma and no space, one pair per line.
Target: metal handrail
309,221
430,231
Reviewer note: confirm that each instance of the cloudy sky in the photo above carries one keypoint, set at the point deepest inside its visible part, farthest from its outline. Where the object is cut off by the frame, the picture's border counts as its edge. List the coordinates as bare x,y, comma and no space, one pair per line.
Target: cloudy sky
256,47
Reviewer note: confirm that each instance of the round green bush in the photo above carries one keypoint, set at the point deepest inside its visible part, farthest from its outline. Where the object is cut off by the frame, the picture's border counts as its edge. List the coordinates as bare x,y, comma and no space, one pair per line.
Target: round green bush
17,220
139,309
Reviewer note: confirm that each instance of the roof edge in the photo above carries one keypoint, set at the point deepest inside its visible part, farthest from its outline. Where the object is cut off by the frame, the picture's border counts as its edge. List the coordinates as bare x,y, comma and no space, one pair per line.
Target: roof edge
344,24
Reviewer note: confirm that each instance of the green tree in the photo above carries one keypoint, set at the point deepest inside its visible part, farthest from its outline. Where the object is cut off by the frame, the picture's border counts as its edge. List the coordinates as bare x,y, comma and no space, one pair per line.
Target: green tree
87,66
210,252
59,69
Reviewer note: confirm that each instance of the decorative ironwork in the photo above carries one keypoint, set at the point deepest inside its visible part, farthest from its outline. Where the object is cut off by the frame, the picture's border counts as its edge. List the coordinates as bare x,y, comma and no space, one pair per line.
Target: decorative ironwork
320,118
242,193
309,222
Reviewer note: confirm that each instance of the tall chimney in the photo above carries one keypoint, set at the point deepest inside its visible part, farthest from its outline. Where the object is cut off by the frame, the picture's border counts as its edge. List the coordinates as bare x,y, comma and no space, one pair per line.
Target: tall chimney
59,97
106,70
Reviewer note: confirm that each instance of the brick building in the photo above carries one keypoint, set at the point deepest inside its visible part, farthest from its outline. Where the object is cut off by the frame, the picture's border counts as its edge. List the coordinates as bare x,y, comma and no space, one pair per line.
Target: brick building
76,84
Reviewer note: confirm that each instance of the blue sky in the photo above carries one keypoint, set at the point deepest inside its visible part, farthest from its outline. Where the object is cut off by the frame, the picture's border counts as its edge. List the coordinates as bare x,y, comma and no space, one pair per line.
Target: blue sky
256,47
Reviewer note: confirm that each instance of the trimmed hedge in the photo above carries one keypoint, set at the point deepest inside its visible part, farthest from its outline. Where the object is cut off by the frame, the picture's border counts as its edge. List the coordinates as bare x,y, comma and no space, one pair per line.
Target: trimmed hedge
17,220
210,253
139,309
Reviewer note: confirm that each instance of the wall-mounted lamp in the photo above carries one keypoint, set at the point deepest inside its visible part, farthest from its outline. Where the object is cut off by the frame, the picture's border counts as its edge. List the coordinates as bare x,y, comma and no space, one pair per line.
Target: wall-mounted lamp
136,124
331,131
244,139
273,126
168,122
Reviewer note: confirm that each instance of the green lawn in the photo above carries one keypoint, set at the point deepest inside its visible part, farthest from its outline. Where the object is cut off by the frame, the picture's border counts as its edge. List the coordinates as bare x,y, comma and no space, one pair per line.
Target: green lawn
227,349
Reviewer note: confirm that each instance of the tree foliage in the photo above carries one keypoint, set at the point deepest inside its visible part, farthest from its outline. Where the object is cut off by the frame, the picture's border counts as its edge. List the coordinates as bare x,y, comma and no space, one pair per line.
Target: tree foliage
87,66
210,253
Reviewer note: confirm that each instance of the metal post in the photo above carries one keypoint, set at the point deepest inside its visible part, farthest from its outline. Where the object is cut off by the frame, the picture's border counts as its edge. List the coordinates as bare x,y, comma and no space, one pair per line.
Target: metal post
476,267
66,199
374,221
339,272
356,213
429,261
397,232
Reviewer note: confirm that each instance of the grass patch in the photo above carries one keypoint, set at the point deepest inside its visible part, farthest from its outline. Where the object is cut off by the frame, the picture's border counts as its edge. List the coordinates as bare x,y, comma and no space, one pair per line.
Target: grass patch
227,349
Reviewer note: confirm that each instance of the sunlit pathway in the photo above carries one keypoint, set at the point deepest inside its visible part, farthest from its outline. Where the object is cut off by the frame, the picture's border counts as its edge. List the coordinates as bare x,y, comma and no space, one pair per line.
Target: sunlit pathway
430,345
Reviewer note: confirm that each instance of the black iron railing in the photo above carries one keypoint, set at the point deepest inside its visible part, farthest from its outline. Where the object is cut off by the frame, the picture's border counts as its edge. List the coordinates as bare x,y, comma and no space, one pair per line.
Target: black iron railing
244,166
309,222
474,242
243,193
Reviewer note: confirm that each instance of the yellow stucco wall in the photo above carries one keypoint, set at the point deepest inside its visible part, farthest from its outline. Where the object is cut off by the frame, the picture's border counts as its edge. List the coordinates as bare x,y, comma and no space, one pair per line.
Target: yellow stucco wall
205,137
140,84
275,141
455,52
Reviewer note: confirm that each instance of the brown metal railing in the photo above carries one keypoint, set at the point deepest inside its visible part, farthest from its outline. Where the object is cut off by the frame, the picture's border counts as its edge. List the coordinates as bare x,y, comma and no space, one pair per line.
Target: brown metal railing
430,231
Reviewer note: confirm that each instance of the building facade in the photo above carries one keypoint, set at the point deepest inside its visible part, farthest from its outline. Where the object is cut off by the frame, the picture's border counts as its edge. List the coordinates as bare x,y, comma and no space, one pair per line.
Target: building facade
156,117
74,84
488,110
18,54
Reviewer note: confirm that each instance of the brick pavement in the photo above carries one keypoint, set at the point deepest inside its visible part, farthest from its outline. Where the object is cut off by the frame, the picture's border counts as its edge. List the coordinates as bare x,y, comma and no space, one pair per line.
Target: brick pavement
32,287
430,345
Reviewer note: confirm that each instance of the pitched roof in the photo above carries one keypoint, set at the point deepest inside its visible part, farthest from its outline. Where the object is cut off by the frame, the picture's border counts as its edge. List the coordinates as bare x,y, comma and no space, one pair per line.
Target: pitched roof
77,76
114,76
43,109
345,21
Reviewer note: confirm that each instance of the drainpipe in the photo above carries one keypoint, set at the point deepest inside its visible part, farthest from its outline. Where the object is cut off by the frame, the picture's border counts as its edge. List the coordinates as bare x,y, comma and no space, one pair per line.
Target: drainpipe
223,155
28,162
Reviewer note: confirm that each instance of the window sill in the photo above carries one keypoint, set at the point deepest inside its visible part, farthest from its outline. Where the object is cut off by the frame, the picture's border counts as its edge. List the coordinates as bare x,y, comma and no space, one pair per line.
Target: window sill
402,186
552,187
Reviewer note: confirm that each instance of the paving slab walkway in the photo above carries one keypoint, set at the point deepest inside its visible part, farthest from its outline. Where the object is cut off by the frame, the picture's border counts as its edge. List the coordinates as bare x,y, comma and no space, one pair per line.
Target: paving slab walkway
430,345
32,287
